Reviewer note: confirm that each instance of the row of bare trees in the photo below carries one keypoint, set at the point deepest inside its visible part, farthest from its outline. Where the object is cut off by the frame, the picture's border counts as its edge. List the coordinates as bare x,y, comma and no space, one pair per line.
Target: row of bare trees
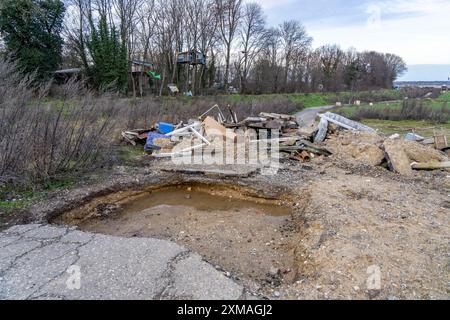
242,51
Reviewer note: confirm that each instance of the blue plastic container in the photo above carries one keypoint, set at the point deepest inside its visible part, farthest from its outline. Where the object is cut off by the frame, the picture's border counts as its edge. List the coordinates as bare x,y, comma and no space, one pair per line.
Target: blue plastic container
151,137
165,128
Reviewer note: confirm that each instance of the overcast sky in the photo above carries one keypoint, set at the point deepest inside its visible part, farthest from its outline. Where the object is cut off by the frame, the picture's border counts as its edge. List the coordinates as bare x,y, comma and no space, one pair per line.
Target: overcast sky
417,30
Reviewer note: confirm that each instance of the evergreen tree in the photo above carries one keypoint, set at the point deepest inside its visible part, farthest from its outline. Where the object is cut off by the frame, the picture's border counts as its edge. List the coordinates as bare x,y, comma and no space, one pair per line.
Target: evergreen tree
31,30
109,56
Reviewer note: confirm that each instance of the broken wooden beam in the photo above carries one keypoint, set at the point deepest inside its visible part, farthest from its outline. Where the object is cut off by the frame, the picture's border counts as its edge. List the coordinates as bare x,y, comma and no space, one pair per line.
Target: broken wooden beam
277,116
431,165
269,125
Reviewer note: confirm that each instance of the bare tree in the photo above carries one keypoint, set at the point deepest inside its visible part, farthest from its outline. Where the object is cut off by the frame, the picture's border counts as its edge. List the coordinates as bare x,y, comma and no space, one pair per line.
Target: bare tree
208,41
168,39
262,61
201,28
295,41
145,28
77,28
396,67
252,38
268,63
126,11
331,59
229,13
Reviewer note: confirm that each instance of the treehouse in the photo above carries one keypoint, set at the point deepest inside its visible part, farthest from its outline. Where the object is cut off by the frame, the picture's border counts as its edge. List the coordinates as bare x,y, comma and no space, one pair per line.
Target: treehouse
193,57
141,79
141,66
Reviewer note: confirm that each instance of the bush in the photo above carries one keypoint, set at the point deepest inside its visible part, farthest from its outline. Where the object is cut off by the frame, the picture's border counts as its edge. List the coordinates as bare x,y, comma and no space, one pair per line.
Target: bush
40,139
145,112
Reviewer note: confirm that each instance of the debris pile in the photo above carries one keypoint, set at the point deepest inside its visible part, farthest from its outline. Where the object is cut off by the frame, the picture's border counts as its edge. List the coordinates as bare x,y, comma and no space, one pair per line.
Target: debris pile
340,121
166,140
405,156
335,135
399,155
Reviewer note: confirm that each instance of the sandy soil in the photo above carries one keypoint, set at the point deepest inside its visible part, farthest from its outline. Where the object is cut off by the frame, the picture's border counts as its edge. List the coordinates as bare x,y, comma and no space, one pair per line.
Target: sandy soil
356,222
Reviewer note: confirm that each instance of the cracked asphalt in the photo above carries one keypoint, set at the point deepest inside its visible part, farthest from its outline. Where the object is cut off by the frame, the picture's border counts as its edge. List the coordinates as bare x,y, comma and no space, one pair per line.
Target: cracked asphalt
38,262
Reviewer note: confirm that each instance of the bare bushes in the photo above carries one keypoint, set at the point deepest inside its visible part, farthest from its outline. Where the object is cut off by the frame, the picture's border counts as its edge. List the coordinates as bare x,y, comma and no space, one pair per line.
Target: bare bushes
410,110
279,104
142,113
40,139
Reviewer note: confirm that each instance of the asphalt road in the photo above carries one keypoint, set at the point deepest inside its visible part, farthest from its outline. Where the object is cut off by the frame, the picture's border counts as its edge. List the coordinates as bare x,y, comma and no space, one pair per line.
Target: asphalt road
53,262
307,117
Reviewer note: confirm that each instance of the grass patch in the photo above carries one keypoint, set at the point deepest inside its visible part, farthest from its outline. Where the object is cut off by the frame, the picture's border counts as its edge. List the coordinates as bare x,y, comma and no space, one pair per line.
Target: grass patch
59,184
128,154
12,198
423,128
307,100
440,105
20,202
312,100
350,111
387,116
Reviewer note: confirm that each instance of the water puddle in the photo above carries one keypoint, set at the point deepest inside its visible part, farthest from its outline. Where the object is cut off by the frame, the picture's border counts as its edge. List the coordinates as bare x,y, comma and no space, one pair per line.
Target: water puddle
244,234
169,201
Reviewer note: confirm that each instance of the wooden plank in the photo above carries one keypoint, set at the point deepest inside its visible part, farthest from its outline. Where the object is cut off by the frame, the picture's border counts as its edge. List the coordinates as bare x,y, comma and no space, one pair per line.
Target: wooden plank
272,125
440,142
277,116
431,166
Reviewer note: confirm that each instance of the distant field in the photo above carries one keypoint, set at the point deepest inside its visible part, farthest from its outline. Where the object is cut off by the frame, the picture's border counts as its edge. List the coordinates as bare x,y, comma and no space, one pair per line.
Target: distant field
438,103
424,128
312,100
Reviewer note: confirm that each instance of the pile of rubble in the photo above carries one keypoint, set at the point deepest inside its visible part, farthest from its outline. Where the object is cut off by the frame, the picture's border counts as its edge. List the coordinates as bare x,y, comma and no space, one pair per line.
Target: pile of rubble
364,145
335,135
169,140
397,154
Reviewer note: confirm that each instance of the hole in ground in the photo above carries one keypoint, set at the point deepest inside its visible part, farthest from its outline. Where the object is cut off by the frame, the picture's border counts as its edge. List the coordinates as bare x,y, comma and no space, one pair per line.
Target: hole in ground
253,237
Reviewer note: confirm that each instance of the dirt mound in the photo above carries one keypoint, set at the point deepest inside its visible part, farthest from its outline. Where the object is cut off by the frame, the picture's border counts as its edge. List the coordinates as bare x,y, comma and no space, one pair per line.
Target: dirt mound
359,147
370,149
417,152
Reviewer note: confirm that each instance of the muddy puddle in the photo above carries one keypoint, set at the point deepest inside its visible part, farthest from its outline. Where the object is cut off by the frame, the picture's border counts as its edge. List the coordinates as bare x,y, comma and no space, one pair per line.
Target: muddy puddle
250,237
169,201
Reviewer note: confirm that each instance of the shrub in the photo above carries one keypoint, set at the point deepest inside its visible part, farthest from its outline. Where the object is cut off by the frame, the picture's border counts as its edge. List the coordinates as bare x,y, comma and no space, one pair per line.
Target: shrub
40,139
